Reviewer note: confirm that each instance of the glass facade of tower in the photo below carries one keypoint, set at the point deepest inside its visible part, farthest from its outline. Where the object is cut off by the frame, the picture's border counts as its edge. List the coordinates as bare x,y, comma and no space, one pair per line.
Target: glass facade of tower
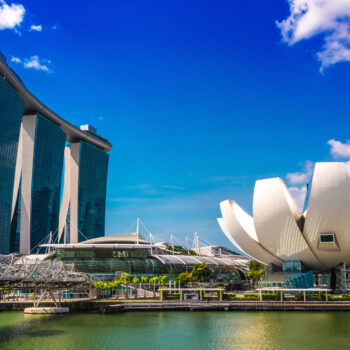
16,225
93,166
11,108
46,182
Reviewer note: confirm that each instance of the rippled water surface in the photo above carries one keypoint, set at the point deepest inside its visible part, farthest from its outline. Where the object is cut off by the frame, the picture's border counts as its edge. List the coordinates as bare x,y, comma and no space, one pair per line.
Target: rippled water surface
177,330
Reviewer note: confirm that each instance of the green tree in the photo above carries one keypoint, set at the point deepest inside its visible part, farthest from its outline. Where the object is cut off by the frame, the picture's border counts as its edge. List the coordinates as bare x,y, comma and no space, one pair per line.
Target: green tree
100,285
255,266
116,283
164,280
256,272
144,279
154,279
135,280
183,278
125,278
200,272
237,277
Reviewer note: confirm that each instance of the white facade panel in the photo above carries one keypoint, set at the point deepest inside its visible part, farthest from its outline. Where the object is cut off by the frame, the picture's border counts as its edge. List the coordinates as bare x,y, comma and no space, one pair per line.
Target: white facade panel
329,212
66,194
275,215
240,226
28,141
70,192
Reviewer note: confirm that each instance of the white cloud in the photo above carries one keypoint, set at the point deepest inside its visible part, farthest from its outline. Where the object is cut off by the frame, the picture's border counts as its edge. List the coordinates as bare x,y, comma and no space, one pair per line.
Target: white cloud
15,59
330,18
36,63
299,179
33,62
173,187
339,149
299,194
11,16
303,177
36,28
296,178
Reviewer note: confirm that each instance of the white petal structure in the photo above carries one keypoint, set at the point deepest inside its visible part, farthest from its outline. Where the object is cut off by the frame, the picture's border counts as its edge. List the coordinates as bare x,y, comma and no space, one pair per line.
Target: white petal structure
328,214
278,231
278,222
227,233
239,227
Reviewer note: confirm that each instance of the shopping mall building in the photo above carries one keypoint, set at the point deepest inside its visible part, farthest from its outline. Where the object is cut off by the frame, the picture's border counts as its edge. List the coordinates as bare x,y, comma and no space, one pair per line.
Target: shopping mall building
107,257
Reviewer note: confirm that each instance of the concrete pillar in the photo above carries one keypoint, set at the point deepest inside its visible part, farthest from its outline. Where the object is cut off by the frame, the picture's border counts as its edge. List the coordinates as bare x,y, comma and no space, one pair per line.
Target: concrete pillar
260,295
200,295
28,142
281,296
304,295
220,294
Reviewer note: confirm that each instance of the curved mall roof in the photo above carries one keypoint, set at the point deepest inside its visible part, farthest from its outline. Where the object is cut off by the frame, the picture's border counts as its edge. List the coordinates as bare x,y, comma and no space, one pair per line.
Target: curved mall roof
33,105
278,231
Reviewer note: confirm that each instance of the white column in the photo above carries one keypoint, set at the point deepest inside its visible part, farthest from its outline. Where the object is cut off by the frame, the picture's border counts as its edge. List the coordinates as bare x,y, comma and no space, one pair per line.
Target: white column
70,191
66,193
28,143
74,184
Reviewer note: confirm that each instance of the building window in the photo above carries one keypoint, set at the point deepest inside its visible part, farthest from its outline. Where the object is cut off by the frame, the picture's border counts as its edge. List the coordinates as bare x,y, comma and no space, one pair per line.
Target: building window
327,238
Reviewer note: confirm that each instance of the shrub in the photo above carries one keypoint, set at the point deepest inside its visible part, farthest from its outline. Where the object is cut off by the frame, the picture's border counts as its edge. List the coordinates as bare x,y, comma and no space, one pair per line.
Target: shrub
275,296
218,293
165,293
299,296
135,280
248,295
321,296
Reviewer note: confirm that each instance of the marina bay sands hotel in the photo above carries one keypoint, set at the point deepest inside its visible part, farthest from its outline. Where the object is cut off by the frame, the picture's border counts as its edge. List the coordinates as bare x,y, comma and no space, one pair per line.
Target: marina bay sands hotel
36,147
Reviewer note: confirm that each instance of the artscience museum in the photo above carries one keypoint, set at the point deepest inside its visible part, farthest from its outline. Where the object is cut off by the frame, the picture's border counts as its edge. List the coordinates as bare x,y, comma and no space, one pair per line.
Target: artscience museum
297,244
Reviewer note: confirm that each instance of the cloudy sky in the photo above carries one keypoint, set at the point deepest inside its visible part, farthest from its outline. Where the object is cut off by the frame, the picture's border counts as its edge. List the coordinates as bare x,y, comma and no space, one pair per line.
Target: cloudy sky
199,98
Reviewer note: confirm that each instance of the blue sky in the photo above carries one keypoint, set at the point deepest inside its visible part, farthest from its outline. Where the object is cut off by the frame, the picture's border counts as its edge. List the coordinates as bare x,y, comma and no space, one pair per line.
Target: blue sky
199,98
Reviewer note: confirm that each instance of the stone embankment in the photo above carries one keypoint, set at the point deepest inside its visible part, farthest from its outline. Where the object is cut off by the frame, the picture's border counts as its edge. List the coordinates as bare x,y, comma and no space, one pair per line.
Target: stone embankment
154,305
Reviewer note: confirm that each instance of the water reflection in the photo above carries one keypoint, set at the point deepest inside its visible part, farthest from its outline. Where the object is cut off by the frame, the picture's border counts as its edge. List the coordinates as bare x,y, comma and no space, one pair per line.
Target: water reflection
177,330
23,325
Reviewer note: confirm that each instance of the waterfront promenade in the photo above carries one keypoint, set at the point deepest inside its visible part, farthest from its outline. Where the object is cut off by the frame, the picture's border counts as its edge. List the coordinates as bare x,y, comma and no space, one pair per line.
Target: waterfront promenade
157,305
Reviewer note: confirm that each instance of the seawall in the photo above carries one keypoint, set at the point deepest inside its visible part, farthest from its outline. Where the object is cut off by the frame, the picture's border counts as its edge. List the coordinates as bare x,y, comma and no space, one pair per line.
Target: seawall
129,305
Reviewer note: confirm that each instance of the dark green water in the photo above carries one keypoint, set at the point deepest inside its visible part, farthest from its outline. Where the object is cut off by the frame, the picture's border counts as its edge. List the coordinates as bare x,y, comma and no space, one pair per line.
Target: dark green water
177,330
